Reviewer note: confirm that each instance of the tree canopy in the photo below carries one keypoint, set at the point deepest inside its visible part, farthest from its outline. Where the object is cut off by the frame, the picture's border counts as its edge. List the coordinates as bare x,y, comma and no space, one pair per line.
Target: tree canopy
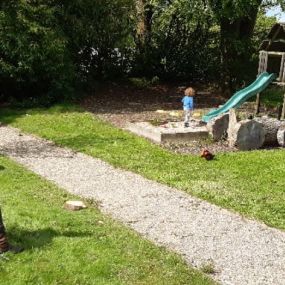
50,48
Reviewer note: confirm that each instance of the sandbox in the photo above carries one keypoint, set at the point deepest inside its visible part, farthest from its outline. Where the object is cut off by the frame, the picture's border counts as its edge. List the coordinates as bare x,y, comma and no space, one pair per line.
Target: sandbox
171,132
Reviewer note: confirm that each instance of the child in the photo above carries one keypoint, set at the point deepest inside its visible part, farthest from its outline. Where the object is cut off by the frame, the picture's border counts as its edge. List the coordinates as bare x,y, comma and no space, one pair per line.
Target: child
188,104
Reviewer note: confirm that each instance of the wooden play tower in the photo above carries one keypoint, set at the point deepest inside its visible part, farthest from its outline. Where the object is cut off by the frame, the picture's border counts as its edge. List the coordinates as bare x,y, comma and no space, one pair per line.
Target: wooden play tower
272,59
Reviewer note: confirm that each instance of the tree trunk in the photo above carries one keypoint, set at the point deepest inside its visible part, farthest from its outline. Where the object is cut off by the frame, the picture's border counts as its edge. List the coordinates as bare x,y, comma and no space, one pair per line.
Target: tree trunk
271,127
247,135
235,34
232,124
218,127
142,37
144,24
281,136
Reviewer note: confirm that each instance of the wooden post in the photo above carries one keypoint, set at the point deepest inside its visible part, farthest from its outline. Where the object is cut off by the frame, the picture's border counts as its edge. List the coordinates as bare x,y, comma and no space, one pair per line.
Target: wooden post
283,108
279,112
283,75
282,67
263,62
257,104
282,79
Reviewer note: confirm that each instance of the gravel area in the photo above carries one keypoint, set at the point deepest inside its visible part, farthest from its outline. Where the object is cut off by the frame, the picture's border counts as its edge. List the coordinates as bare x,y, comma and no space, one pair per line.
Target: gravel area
242,251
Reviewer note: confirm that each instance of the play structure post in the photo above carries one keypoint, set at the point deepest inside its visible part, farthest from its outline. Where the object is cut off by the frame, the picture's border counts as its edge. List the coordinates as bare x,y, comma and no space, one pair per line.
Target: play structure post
263,62
257,104
283,108
269,71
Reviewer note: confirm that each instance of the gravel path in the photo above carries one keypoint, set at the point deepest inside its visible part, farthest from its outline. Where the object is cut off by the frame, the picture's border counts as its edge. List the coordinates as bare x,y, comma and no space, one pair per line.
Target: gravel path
242,251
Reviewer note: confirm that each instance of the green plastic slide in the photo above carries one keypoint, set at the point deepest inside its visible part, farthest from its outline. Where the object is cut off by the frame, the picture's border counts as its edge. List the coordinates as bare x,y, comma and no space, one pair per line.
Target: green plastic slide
262,81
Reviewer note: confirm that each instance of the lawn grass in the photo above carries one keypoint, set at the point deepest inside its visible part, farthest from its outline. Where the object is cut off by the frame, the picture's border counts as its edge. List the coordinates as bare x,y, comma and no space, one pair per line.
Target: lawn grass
63,247
272,96
251,183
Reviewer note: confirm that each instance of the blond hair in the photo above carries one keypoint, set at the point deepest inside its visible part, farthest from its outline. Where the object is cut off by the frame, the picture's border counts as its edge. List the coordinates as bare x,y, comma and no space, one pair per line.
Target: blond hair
190,92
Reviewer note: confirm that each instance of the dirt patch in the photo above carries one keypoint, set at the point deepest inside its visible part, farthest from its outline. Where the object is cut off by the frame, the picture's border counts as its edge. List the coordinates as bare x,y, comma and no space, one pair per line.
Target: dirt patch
195,147
120,104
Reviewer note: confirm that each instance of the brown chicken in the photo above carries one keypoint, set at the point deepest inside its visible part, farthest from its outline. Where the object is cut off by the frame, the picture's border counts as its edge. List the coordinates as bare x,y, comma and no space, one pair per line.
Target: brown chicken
207,154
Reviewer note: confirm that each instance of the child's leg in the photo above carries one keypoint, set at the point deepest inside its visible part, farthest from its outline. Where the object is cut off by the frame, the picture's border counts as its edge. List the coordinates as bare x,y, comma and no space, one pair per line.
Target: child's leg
187,116
190,115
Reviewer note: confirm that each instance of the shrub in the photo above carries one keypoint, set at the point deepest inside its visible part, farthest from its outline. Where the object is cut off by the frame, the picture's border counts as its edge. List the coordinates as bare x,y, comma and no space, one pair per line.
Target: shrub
34,56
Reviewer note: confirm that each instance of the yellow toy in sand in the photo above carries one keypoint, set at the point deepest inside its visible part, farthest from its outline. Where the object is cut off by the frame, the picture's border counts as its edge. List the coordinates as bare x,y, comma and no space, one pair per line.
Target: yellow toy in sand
174,114
196,115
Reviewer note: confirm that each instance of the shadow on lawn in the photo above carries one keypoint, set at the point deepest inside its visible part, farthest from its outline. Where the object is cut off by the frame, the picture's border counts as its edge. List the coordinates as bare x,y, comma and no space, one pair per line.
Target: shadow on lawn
42,237
80,142
9,114
34,149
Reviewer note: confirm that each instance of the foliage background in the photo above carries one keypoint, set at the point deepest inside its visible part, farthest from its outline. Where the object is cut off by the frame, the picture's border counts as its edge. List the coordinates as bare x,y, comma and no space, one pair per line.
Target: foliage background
50,49
34,55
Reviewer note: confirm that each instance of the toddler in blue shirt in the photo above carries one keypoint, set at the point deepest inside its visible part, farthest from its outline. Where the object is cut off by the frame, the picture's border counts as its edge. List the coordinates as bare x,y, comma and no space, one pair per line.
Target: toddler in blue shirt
188,104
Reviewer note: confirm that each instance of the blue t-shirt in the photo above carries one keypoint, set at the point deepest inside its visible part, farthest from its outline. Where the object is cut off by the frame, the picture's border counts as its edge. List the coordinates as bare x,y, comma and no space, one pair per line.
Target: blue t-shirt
187,103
